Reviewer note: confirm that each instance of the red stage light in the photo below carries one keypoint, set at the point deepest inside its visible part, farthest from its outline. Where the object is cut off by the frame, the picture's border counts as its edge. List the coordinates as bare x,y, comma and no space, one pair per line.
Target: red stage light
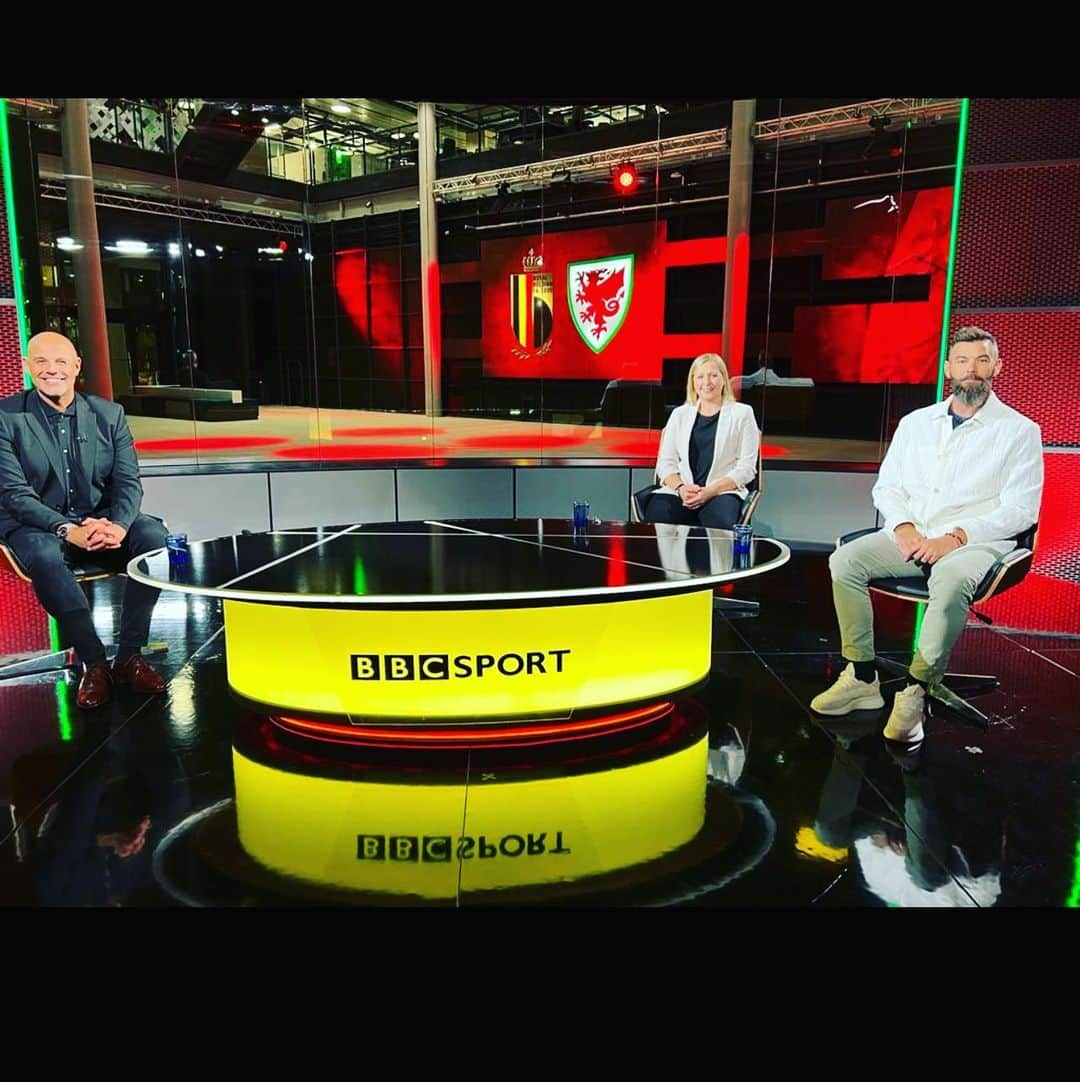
626,179
283,245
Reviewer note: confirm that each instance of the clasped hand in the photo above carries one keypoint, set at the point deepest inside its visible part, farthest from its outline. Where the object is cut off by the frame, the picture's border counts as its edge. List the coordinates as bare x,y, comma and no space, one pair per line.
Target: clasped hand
923,550
97,533
694,496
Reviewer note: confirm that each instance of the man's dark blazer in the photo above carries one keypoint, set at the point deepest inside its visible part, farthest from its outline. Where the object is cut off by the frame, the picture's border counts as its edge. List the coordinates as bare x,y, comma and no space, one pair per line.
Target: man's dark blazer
32,485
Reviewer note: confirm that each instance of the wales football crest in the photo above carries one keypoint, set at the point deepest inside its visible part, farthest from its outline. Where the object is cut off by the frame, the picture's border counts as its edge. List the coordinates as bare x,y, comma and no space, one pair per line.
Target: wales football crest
599,292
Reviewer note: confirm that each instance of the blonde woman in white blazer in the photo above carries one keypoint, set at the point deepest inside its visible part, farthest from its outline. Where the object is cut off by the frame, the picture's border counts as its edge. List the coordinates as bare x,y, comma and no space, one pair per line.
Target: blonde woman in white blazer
708,452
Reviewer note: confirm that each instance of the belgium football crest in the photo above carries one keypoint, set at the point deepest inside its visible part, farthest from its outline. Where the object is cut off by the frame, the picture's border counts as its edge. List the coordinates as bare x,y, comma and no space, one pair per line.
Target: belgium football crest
531,298
599,293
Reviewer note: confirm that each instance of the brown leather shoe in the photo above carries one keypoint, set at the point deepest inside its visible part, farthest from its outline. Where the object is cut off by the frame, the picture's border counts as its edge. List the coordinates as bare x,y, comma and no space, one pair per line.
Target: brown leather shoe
95,687
137,674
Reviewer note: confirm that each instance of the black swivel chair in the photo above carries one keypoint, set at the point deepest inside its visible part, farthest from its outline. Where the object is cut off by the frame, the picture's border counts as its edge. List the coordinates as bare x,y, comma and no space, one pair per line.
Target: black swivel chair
1004,574
55,660
731,606
753,497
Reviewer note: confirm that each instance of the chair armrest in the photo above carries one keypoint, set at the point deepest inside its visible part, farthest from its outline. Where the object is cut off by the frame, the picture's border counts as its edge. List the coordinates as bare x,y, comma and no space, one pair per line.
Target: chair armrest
9,560
1006,572
907,589
637,508
86,572
749,507
845,538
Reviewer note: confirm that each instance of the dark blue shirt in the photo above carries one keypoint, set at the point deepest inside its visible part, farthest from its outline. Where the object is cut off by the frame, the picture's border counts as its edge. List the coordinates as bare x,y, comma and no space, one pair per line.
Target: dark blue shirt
702,445
64,427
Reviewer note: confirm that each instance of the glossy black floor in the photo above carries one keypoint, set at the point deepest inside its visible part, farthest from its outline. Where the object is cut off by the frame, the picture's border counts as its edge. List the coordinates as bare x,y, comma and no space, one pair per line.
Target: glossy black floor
132,806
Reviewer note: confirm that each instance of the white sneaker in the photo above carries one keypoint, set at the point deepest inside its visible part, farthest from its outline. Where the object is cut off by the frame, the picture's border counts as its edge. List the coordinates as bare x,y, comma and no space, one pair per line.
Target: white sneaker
905,723
849,694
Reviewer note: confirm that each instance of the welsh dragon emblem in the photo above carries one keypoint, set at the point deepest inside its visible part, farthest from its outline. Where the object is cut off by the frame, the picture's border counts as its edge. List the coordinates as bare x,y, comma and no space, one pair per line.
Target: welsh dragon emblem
599,292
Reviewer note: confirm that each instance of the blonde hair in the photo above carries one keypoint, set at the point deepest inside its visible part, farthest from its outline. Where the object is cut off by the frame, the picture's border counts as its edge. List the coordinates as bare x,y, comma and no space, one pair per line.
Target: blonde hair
700,362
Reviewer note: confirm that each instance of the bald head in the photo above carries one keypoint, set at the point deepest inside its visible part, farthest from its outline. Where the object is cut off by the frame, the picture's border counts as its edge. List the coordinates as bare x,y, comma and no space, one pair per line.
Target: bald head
53,365
49,341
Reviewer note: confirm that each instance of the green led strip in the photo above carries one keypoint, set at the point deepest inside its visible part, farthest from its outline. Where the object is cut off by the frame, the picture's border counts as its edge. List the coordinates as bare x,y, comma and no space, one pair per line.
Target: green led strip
20,310
1073,900
961,148
950,272
63,708
13,236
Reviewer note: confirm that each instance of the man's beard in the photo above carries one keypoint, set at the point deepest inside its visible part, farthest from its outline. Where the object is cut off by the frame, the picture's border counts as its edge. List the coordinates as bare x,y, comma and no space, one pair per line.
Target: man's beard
973,394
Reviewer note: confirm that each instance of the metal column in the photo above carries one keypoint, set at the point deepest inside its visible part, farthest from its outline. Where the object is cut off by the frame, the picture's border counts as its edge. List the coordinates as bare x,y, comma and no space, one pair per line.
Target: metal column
737,268
82,216
429,262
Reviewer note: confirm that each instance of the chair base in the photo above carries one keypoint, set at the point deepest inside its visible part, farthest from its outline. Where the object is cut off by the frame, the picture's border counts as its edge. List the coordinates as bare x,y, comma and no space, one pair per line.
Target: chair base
969,684
735,608
50,661
58,660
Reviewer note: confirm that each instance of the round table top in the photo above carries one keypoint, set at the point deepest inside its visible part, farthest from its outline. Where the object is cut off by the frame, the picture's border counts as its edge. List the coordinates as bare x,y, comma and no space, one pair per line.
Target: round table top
459,561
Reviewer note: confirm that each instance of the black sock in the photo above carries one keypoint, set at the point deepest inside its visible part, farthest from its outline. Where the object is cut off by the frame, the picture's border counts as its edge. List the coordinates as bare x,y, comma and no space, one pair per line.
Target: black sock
911,680
125,652
77,627
865,671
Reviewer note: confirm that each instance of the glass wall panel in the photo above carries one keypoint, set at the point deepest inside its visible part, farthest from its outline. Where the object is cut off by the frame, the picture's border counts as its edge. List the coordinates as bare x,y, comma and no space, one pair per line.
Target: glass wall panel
263,279
851,233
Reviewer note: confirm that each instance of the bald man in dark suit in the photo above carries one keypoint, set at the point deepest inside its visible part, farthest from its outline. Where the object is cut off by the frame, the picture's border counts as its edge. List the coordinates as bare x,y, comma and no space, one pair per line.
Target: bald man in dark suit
70,492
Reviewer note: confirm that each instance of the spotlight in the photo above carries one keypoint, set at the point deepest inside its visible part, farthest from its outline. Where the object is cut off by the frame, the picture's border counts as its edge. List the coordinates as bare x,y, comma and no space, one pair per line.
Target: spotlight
625,178
879,136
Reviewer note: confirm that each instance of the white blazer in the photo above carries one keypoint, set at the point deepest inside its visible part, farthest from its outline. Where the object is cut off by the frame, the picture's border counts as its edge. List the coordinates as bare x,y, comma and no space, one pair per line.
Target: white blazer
735,453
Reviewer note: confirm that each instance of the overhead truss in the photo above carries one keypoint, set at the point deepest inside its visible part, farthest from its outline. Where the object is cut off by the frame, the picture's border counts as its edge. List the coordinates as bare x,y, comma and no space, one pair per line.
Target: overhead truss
51,189
803,127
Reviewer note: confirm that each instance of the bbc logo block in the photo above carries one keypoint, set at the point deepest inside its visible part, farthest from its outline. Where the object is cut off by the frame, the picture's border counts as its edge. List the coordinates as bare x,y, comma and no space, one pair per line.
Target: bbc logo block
383,667
457,666
407,848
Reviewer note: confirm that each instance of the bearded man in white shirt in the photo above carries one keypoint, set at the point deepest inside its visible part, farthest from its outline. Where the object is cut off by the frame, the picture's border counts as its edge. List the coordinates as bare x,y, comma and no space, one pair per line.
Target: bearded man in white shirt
960,480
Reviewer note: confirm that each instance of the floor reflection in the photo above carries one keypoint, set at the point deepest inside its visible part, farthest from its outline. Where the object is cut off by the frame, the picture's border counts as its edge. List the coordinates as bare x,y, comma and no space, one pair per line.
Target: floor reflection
736,797
914,859
639,814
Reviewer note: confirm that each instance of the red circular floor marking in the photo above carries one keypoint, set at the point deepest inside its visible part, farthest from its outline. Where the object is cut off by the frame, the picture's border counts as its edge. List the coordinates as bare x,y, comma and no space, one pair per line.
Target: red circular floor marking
383,431
353,452
210,443
512,444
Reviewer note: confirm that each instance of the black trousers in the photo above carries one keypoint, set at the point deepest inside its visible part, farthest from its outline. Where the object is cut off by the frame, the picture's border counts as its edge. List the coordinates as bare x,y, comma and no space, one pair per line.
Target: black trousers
719,513
47,559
